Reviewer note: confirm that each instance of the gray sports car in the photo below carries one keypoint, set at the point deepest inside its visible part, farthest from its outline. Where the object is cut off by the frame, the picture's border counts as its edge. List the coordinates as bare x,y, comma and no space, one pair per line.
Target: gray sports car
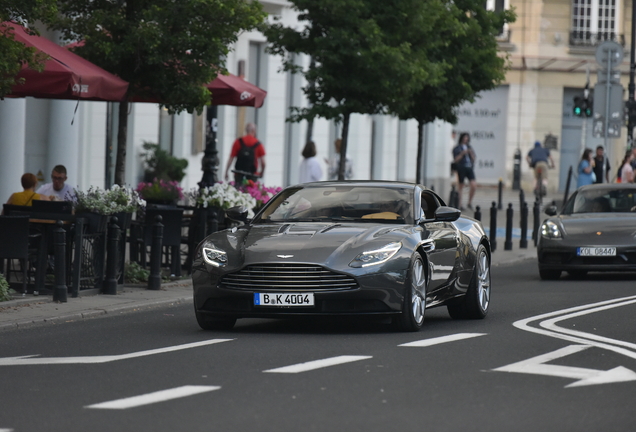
385,249
595,231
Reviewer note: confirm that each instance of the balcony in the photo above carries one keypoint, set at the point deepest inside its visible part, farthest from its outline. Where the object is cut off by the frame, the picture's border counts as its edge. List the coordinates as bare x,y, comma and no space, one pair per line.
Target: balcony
591,40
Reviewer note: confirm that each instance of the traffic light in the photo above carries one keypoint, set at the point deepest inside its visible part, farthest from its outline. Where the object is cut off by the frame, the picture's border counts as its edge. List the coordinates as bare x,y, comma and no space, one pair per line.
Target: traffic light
582,107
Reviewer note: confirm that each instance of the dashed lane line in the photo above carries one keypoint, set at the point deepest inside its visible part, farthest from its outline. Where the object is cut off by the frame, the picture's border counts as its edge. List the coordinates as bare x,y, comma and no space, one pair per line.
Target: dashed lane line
318,364
441,339
155,397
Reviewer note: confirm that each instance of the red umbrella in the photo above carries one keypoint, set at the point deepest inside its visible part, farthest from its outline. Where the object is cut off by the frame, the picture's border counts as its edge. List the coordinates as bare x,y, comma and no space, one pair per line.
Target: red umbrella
66,75
234,90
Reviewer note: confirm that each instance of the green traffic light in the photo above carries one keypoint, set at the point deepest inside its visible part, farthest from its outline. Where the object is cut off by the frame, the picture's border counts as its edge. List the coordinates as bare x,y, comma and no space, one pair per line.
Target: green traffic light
577,111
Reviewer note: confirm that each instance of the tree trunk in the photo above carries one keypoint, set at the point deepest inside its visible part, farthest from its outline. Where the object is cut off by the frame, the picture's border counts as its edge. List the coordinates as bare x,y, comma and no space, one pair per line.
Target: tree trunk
420,151
343,147
122,132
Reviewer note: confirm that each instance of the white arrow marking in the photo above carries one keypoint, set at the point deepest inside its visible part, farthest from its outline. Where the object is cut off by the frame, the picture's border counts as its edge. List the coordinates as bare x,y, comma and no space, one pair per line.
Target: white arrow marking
32,360
536,365
317,364
442,339
150,398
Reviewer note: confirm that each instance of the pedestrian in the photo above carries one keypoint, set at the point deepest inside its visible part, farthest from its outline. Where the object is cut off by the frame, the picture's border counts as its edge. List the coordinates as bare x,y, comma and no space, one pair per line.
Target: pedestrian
453,166
586,174
601,166
540,160
249,153
334,164
310,170
58,189
464,157
627,172
28,195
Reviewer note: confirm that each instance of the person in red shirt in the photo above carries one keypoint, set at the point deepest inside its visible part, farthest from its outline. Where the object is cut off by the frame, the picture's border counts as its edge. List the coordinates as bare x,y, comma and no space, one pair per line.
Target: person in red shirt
249,153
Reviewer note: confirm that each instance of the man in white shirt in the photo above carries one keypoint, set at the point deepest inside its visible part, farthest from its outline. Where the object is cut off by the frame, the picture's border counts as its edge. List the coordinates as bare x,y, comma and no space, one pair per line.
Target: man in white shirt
58,189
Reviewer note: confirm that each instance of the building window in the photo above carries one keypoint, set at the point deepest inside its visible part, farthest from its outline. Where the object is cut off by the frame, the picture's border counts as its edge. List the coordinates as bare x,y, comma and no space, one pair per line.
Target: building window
166,126
594,21
500,6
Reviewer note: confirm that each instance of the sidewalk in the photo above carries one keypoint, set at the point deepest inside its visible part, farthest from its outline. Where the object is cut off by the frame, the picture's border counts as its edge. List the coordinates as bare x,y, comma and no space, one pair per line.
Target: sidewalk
29,310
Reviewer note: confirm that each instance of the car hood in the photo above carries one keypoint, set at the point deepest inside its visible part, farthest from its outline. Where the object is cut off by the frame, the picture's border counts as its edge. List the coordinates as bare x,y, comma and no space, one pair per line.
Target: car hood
593,229
328,243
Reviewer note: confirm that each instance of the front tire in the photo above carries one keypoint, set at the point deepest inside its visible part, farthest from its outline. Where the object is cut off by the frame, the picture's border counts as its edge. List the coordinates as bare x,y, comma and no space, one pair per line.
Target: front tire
476,302
414,307
207,322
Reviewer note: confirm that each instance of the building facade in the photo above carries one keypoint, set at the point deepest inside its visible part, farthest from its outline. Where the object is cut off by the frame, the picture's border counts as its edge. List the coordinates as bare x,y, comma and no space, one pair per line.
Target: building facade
550,47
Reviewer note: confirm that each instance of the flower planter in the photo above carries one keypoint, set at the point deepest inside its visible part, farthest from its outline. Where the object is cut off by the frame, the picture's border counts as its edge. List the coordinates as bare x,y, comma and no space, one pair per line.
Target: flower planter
95,223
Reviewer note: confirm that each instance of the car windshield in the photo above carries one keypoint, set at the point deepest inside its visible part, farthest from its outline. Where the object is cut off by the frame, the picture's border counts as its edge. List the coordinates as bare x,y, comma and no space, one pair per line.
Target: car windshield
340,203
602,201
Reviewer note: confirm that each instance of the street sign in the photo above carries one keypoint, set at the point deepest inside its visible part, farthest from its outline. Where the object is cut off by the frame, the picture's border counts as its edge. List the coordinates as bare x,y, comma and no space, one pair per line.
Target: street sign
609,53
614,75
616,110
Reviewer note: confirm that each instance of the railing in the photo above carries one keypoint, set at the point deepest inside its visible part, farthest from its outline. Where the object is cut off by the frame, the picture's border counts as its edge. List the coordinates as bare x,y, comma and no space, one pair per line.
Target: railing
589,39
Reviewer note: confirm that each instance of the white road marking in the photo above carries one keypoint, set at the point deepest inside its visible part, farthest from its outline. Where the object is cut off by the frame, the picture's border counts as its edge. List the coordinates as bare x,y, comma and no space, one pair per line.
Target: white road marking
580,337
441,339
317,364
150,398
32,360
6,430
536,365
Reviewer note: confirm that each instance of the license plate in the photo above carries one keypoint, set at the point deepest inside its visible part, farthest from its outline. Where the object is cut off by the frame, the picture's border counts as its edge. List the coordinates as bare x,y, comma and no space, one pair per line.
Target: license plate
284,299
596,251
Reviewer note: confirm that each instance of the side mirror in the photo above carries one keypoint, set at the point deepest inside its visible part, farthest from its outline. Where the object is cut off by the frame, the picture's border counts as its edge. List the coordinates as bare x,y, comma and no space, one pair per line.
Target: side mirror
447,214
551,210
237,213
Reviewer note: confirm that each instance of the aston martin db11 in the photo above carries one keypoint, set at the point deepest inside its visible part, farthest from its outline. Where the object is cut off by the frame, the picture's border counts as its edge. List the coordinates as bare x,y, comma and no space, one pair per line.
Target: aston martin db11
384,249
595,231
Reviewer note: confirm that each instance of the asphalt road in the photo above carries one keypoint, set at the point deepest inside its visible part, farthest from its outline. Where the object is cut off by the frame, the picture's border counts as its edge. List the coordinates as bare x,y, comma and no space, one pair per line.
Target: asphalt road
532,365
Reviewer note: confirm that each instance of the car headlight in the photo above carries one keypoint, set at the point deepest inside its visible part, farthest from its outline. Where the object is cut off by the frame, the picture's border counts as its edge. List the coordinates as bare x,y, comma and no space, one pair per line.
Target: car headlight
376,256
215,257
550,230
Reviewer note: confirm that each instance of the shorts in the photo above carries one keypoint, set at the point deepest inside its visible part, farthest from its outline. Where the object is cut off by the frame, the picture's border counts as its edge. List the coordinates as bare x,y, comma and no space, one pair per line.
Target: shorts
541,169
465,173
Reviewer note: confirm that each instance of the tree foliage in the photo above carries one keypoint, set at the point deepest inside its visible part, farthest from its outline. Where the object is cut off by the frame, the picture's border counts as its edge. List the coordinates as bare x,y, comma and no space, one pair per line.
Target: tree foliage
167,50
473,63
14,54
366,55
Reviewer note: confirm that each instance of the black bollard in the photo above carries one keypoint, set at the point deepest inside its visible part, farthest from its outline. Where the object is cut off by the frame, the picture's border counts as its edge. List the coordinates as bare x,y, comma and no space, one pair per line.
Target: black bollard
523,243
536,210
509,214
478,213
213,221
60,291
493,226
112,260
499,193
454,198
154,280
522,198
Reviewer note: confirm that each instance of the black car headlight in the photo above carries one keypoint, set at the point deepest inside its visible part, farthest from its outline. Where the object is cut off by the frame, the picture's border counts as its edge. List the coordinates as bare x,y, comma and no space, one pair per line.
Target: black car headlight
215,257
550,230
376,256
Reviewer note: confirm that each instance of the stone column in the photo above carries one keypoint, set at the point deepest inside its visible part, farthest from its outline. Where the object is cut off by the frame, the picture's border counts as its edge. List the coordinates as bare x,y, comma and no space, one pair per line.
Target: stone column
12,146
63,140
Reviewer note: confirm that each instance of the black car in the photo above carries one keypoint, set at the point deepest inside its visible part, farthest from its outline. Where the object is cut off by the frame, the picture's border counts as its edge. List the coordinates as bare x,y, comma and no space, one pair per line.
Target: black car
372,248
595,231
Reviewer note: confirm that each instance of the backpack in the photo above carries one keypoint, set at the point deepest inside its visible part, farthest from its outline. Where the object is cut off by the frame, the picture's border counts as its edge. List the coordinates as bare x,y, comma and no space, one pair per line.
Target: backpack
245,158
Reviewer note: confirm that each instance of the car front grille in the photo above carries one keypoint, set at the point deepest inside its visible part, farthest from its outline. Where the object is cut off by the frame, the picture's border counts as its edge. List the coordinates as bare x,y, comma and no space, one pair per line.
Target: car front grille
287,277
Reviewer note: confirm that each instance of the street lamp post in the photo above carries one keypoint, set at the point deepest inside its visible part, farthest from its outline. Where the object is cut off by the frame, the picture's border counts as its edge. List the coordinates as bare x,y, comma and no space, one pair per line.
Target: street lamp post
210,161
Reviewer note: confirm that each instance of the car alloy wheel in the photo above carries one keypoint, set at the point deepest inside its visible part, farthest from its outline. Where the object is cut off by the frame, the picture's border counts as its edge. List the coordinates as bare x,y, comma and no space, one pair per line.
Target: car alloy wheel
475,304
414,308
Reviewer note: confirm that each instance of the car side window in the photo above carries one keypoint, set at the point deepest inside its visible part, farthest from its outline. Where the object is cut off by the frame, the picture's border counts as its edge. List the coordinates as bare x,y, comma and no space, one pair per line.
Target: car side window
429,205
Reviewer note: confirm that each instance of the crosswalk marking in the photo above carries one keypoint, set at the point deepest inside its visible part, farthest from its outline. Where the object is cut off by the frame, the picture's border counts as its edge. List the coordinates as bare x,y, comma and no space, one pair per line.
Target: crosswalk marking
150,398
442,339
317,364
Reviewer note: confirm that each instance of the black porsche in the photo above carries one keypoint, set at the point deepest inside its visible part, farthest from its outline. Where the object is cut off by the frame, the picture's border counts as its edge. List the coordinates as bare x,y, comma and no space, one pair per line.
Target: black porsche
595,231
386,249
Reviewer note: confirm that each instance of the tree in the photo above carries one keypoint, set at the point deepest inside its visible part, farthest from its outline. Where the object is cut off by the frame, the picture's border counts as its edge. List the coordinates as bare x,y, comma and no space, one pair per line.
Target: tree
473,65
363,56
167,50
14,54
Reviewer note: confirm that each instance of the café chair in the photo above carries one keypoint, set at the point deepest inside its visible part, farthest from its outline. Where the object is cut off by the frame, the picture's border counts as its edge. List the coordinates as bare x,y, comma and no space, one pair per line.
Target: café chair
13,210
18,243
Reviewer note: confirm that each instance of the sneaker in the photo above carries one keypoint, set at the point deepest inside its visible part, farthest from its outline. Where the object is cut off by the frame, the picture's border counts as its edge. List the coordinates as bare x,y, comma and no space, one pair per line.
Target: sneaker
470,206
